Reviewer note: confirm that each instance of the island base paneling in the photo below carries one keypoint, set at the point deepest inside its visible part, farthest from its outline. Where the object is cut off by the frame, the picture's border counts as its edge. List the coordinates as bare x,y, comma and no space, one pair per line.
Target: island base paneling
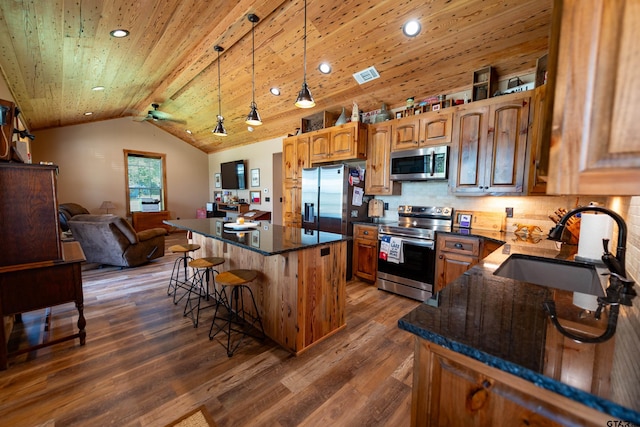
455,390
301,295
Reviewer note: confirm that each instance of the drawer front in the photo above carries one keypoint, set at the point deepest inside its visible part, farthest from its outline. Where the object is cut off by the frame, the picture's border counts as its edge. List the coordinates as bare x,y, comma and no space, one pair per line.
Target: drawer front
461,245
365,232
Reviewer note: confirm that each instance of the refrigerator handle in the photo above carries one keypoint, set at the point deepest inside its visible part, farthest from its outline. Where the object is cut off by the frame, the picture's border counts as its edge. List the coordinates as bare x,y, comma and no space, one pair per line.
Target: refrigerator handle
309,215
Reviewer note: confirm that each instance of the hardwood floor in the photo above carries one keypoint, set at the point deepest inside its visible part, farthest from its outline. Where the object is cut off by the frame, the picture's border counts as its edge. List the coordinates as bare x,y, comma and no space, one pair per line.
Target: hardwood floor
144,364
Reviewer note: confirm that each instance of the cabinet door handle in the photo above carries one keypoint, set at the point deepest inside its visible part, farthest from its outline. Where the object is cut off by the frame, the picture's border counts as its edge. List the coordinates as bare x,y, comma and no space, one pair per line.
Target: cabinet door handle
366,233
441,257
458,245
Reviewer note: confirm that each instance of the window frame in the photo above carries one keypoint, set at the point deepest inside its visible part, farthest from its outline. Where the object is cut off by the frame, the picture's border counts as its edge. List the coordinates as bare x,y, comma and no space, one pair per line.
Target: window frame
147,154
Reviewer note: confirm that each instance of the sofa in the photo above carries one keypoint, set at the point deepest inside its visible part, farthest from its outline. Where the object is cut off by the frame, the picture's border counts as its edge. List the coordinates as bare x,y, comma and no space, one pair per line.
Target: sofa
66,211
111,240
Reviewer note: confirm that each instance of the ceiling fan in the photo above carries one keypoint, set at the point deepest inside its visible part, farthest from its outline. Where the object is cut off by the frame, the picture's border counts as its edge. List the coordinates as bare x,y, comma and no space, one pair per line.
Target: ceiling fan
157,115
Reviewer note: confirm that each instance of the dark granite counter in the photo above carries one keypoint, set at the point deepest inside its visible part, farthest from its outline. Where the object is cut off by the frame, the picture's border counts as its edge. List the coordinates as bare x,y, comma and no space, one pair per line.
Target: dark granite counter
266,239
501,322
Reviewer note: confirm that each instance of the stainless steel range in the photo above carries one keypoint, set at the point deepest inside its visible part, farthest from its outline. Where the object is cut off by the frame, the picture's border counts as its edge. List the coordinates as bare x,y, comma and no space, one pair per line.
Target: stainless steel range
407,260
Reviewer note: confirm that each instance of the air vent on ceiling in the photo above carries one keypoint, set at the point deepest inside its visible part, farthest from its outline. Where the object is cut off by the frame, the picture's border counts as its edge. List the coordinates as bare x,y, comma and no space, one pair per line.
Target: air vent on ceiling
366,75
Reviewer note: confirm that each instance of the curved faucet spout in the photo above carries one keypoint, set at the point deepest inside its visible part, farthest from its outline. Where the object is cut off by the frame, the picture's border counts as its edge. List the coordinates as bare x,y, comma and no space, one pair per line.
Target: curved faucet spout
618,266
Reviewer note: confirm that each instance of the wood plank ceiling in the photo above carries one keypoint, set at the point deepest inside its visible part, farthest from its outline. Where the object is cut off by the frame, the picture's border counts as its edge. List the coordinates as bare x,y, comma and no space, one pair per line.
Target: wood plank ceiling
52,54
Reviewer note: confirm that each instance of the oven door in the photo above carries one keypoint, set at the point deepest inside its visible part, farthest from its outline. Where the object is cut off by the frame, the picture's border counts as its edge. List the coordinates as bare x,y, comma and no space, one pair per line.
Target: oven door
415,276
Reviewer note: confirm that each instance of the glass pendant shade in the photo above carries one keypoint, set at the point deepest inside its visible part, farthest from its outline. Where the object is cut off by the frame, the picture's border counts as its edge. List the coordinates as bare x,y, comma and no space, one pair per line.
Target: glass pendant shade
305,100
220,130
253,118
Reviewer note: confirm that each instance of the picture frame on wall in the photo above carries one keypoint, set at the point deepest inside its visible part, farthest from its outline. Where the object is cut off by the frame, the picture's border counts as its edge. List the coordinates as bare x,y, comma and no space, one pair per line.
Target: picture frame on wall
255,177
255,197
217,180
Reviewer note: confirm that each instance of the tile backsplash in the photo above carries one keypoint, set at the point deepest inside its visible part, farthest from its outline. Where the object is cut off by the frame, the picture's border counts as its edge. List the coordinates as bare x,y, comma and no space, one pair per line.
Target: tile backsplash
532,210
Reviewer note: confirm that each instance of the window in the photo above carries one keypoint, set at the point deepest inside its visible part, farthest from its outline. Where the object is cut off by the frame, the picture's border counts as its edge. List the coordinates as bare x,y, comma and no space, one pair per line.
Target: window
146,181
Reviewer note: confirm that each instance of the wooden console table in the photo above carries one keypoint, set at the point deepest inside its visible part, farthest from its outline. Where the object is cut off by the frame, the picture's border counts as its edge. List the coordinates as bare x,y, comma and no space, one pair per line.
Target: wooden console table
146,220
34,286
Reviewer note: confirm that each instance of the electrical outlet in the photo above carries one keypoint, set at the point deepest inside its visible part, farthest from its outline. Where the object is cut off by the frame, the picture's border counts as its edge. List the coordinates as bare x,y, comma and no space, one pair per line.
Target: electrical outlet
386,206
509,212
267,199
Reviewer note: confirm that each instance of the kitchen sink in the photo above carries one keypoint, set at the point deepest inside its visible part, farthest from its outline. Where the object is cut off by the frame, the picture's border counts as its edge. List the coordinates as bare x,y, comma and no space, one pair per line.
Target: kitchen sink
569,276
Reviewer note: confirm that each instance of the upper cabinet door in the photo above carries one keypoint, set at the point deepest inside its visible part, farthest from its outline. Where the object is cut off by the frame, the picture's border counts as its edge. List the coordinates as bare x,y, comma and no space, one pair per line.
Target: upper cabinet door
505,164
435,128
593,65
468,150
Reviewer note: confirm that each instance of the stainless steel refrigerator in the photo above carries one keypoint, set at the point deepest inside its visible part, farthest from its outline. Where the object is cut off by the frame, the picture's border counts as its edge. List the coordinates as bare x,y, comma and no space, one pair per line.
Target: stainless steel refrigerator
332,201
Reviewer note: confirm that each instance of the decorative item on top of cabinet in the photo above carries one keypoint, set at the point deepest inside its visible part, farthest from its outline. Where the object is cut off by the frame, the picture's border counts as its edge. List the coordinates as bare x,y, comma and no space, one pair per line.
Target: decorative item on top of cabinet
489,141
378,166
433,128
593,66
344,142
484,83
365,252
321,120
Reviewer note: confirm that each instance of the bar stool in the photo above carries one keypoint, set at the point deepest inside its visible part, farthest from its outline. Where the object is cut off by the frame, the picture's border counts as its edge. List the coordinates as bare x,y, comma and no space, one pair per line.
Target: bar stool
199,290
180,265
236,313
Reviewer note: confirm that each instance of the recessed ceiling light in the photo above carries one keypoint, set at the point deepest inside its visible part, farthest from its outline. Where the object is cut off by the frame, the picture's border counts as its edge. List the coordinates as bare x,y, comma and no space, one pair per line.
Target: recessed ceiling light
189,131
88,113
250,128
411,28
97,88
119,33
275,91
325,68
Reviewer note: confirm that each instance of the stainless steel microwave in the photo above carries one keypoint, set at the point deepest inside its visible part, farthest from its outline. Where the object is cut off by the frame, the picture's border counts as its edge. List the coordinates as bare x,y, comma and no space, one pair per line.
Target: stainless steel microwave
421,164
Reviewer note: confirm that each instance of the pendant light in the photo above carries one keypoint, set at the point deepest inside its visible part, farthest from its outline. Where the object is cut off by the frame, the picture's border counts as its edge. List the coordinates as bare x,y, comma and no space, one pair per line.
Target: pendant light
219,130
253,119
305,100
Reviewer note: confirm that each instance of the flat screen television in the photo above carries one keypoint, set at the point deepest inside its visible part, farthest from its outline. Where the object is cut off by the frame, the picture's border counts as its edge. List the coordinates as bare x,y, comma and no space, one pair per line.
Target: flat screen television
233,175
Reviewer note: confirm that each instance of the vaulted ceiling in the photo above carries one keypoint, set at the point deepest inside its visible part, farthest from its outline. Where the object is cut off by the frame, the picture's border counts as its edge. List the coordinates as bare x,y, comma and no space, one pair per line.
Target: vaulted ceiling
52,53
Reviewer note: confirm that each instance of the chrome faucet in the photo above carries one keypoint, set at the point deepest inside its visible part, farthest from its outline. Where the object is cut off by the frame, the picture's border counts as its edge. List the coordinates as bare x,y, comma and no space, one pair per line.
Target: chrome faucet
620,289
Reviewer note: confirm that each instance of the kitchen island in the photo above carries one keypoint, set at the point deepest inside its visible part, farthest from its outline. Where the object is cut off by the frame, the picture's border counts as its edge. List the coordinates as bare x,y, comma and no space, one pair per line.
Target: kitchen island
301,288
488,355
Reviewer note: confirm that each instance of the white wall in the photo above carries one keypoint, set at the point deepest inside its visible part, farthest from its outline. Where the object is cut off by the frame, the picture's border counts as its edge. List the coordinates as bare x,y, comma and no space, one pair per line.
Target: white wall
256,156
91,162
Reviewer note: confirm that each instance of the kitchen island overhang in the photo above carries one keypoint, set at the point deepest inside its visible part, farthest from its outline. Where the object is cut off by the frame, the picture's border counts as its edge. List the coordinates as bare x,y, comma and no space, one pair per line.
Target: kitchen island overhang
301,288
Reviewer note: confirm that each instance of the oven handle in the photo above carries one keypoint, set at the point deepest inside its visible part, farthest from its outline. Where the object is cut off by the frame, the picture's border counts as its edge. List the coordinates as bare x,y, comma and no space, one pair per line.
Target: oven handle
417,242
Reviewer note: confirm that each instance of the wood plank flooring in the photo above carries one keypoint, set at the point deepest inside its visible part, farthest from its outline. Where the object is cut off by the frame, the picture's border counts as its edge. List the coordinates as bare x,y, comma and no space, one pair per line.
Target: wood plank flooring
144,364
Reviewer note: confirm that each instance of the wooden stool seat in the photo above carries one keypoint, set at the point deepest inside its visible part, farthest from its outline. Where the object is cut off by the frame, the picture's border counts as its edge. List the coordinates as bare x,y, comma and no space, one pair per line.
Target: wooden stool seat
184,248
206,262
236,314
180,269
236,277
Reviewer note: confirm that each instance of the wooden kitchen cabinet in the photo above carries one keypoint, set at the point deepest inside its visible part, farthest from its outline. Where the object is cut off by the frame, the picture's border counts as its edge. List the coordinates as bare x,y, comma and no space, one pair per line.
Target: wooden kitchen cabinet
338,143
365,251
295,157
537,170
593,63
489,141
454,256
433,128
378,166
455,390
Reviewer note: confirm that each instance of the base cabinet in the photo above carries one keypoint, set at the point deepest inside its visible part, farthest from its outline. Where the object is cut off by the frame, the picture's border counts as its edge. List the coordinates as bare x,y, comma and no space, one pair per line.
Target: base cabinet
365,252
451,389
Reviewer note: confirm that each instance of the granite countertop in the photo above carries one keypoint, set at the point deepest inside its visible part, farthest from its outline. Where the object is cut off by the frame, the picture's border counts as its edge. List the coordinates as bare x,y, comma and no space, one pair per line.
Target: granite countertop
266,238
501,322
